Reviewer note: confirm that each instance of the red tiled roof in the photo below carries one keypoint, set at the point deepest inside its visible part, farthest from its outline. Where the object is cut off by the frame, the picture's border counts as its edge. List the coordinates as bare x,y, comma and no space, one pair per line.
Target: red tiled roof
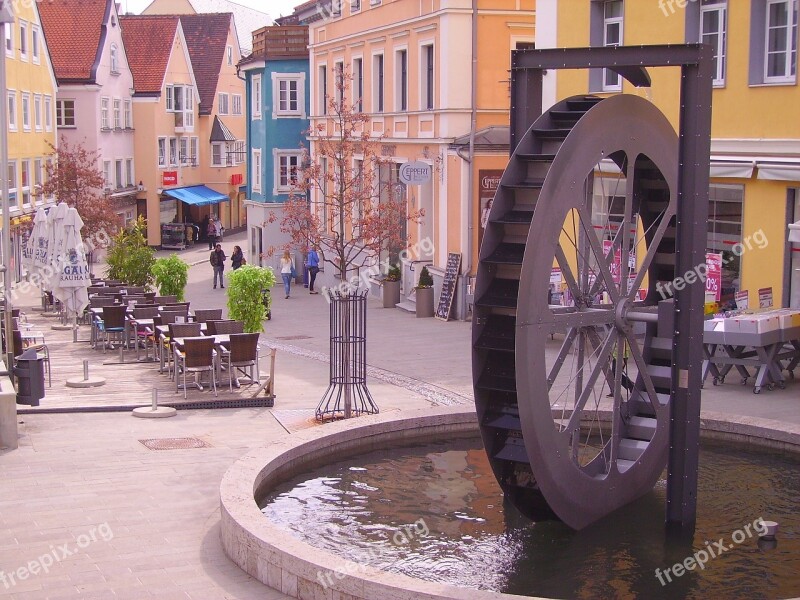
206,37
148,44
72,30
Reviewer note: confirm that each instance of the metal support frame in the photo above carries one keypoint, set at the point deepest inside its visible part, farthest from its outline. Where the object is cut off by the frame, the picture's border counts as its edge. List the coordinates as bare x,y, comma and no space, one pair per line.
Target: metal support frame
631,62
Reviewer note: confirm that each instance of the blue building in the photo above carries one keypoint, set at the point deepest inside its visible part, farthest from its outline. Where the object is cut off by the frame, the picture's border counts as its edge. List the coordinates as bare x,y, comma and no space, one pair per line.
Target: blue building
277,80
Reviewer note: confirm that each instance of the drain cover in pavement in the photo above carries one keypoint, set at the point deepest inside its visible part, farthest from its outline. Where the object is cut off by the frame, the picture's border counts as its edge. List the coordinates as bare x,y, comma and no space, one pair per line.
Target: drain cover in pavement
181,443
293,337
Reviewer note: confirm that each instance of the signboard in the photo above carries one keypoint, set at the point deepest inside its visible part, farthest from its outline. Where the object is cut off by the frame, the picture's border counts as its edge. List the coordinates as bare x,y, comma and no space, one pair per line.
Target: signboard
237,178
451,271
742,300
556,278
714,275
765,297
488,182
169,178
415,172
616,265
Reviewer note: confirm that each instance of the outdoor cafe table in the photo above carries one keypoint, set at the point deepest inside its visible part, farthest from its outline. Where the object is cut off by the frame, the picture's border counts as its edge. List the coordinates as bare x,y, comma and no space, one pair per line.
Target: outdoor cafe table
161,332
221,340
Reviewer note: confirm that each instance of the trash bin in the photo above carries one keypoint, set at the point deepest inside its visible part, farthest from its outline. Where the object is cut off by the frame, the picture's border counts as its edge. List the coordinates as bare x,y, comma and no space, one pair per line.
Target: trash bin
29,371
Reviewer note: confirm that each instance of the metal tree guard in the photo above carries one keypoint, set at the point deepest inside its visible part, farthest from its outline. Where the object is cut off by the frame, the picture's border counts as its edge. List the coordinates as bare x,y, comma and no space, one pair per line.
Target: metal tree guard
539,407
347,394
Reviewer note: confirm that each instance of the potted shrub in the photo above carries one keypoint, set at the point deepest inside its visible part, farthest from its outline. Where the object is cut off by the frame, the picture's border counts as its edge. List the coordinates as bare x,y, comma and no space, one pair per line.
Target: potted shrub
424,294
390,287
246,300
130,259
171,275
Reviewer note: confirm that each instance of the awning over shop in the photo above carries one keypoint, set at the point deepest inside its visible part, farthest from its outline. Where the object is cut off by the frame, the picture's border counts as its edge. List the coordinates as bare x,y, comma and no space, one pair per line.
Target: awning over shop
731,169
197,195
779,171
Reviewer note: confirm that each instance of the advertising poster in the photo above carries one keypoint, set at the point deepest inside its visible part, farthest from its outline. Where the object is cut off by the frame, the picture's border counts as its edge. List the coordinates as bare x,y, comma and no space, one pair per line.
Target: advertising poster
714,275
488,182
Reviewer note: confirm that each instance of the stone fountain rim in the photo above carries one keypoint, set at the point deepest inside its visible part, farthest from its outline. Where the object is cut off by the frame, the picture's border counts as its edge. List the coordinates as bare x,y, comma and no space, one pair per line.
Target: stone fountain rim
281,561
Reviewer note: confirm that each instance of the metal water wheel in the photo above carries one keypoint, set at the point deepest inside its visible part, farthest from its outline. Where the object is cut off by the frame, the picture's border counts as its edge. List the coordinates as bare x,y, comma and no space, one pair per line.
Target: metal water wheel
543,368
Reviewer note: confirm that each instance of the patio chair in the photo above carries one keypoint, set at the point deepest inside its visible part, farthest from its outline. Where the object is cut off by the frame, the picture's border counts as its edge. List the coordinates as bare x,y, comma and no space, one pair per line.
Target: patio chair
178,330
112,324
215,327
144,333
42,351
164,300
197,357
203,315
134,290
150,297
181,309
99,301
241,356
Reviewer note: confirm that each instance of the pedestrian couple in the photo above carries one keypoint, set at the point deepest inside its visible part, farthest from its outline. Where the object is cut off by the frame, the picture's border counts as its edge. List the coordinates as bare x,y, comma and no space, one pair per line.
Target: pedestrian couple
214,231
218,262
288,271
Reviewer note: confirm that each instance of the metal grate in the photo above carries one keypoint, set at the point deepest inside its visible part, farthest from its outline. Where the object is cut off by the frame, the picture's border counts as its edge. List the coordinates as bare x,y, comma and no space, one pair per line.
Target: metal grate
293,337
181,443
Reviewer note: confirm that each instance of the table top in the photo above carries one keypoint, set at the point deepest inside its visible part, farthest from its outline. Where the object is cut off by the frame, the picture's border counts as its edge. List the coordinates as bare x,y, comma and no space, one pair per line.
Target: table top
219,339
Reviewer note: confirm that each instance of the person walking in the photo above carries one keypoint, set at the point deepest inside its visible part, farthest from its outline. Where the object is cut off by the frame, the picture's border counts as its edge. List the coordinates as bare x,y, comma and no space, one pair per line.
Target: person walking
312,262
211,233
218,263
287,272
237,258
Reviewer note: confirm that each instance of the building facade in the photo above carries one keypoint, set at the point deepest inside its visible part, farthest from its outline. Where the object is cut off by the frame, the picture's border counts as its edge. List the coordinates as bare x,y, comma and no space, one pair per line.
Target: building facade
755,145
31,101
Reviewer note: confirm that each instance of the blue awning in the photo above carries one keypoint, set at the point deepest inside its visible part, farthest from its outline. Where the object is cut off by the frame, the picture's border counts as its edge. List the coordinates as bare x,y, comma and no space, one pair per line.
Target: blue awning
197,195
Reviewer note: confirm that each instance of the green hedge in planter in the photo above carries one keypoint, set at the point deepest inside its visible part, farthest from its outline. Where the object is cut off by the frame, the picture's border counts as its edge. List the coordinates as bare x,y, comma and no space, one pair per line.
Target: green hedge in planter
245,296
129,259
171,276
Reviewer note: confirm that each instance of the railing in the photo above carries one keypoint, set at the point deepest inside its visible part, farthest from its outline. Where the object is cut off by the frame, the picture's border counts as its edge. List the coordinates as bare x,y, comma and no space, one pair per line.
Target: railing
281,41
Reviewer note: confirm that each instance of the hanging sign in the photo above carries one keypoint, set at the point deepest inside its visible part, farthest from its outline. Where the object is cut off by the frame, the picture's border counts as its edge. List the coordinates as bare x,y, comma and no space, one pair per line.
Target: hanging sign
415,173
169,178
714,275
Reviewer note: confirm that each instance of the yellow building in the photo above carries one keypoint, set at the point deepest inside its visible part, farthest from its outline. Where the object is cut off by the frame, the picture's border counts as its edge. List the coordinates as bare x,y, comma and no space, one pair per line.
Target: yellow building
412,70
31,93
755,146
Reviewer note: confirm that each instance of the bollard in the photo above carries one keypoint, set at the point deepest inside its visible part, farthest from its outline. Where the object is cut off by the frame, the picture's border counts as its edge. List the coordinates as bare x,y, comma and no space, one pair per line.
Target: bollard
155,398
121,355
86,370
154,411
75,335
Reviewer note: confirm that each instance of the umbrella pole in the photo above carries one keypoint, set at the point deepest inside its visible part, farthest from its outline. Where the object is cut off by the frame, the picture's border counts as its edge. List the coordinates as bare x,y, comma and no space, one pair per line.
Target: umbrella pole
6,17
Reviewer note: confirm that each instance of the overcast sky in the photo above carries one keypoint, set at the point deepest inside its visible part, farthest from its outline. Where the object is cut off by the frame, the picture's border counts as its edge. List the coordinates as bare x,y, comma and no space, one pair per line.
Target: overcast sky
274,8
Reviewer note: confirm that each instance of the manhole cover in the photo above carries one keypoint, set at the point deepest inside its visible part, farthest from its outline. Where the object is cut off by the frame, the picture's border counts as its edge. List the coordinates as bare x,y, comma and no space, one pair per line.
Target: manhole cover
181,443
294,337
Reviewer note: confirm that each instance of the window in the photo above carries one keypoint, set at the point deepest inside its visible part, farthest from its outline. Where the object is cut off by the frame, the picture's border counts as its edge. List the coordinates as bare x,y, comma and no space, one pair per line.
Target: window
236,104
322,198
119,173
12,180
12,110
288,96
427,76
170,98
194,144
184,149
377,83
338,70
358,84
23,40
401,80
239,152
255,99
217,154
10,40
323,90
104,123
173,151
162,152
229,54
129,178
713,32
355,6
114,59
26,111
188,114
107,173
612,36
255,173
65,113
37,112
37,174
48,113
128,115
286,169
25,180
222,103
780,64
117,113
35,43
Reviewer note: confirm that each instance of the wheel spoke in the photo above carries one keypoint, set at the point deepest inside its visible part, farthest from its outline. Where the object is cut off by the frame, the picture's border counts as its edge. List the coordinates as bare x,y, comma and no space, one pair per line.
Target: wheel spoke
566,346
605,273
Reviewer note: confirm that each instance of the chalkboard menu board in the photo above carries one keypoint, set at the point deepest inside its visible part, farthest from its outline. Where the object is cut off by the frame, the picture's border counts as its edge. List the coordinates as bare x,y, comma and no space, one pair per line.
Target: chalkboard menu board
445,306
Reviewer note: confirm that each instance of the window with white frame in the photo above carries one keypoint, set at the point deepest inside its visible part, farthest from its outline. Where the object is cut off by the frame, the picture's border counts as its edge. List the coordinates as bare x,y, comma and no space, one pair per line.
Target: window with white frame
128,115
26,111
194,145
355,6
236,104
229,54
48,113
104,122
240,152
401,80
114,52
37,112
169,98
107,173
65,113
25,180
10,40
288,90
119,173
184,151
713,25
12,180
162,152
780,64
130,180
287,165
255,171
322,84
377,83
173,152
117,113
37,175
23,40
35,43
222,103
218,154
613,12
255,96
427,76
338,82
188,114
358,84
12,110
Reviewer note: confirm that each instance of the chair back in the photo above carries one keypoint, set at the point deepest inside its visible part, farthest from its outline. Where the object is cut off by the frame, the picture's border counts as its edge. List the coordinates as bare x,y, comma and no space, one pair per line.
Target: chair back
94,289
244,347
113,282
211,326
135,290
99,301
145,312
162,300
150,297
135,299
183,330
175,305
110,291
177,308
198,352
114,317
167,317
230,326
16,336
203,315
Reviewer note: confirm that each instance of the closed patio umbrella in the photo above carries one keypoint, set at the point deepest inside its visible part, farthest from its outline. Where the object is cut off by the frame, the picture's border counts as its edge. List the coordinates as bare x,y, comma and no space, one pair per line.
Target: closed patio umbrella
73,277
36,255
55,237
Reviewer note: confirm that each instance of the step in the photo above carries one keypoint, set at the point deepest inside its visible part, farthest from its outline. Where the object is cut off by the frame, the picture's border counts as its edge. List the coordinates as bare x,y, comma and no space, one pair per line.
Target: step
503,421
662,376
495,342
642,428
661,348
408,306
525,184
583,104
515,217
513,450
497,383
552,133
632,449
502,293
535,157
507,254
571,116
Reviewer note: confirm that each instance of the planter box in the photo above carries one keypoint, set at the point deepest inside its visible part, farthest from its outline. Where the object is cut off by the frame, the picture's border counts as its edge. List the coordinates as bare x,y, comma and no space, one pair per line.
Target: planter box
424,302
391,293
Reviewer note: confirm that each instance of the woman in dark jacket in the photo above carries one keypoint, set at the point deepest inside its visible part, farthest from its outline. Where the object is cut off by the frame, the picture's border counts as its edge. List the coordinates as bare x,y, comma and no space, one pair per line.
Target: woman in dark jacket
237,258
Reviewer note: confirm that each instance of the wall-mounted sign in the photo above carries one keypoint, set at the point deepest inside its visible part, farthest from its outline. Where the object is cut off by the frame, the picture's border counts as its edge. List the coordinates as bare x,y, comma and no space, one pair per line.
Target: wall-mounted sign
415,173
237,179
169,178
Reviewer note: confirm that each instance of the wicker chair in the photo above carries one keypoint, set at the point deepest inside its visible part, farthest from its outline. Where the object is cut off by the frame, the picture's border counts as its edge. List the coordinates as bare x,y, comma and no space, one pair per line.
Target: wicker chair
178,330
202,315
112,324
42,351
162,300
134,290
241,356
223,327
144,333
197,357
99,301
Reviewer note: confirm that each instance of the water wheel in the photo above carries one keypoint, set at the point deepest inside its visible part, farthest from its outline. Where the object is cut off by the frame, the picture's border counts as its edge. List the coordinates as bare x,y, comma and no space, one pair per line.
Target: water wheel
591,191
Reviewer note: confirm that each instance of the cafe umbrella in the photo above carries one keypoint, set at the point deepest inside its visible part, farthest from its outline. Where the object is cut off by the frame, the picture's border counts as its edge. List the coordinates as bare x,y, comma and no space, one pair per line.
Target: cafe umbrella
36,254
55,240
72,283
